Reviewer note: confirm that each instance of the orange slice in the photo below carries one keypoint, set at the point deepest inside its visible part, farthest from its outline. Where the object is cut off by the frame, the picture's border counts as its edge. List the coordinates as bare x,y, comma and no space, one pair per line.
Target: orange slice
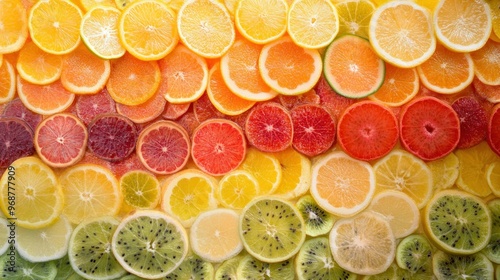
400,86
54,25
241,73
99,30
288,68
37,66
147,29
261,21
184,75
447,71
487,63
7,82
87,5
205,27
401,33
462,25
14,26
44,99
83,72
133,81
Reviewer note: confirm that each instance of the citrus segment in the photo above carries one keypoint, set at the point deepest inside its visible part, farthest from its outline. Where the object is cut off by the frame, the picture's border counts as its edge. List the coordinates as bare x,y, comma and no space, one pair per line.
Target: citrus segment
14,22
140,189
295,174
399,87
44,99
37,66
237,188
204,110
486,63
265,168
145,112
14,130
354,17
7,82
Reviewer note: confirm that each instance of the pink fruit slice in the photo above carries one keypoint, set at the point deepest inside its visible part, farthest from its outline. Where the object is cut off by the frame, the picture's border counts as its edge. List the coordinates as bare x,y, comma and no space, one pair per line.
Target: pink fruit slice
313,129
367,130
473,121
145,112
189,122
291,101
16,140
269,127
174,111
204,109
163,147
218,146
89,106
429,128
333,101
61,140
488,92
16,108
132,162
112,137
494,129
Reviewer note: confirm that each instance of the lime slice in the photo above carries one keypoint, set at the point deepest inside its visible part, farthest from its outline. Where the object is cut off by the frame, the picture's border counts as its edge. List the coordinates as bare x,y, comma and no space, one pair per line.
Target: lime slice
25,270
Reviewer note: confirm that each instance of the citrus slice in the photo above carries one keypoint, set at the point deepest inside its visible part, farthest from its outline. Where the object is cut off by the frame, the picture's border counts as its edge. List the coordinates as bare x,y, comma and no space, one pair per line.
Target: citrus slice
493,134
462,25
214,235
147,29
473,116
90,191
237,188
54,25
184,75
354,17
261,21
14,22
144,112
37,66
486,63
241,74
399,87
4,235
312,23
295,174
188,193
205,27
193,267
266,169
288,68
38,195
24,269
7,82
44,99
493,177
99,31
444,171
140,189
402,171
488,92
401,33
18,131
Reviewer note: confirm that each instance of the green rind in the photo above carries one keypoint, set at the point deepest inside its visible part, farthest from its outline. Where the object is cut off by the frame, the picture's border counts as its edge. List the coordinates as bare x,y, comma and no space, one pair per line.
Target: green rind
414,254
317,220
193,268
21,269
251,268
492,250
228,269
452,267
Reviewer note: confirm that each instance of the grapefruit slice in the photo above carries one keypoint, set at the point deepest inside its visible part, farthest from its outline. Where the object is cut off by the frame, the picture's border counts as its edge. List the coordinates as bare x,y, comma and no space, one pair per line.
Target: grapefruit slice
16,108
473,121
89,106
44,100
16,140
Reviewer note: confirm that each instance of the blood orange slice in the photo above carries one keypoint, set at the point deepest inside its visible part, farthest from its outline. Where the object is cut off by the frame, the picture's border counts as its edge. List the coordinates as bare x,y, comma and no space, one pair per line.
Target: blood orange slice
429,128
333,101
16,140
218,146
367,130
204,109
493,131
290,101
163,147
89,106
16,108
60,140
473,121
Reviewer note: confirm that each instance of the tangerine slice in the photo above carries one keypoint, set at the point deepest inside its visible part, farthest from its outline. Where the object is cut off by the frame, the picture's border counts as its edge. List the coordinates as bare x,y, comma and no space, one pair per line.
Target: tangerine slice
7,82
487,63
399,87
14,22
37,66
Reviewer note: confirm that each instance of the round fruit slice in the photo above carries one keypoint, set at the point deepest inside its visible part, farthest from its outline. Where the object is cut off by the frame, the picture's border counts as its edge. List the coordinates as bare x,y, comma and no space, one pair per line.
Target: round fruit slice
333,101
473,121
89,106
90,249
354,16
61,140
414,253
214,235
32,59
44,100
295,174
399,87
15,26
64,269
193,267
453,226
272,229
444,171
218,146
251,268
493,132
227,269
492,250
315,261
25,270
204,109
429,128
237,188
488,92
7,82
112,137
163,147
352,68
16,108
175,111
449,266
265,168
318,221
493,177
140,189
292,101
363,244
16,140
486,64
150,244
367,130
145,112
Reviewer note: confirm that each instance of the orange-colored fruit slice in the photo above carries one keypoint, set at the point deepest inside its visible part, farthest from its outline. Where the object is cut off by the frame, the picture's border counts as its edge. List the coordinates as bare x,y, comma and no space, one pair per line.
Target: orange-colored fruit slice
184,75
205,27
83,72
37,66
14,26
288,68
400,86
44,99
7,82
54,25
144,112
147,29
133,81
87,5
241,74
487,63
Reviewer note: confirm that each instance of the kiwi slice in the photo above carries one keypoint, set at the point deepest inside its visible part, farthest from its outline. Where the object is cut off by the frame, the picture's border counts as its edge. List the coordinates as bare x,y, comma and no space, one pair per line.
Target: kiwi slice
251,268
193,268
492,250
452,267
390,274
13,266
64,269
318,221
414,254
227,270
315,261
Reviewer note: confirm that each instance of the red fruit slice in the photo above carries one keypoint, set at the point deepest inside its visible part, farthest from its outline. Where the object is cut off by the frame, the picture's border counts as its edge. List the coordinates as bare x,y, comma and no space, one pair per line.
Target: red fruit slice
16,140
132,162
89,106
269,127
61,140
145,112
429,128
16,108
333,101
291,101
313,129
112,137
218,146
174,111
204,109
473,121
494,129
240,119
367,130
189,122
163,147
488,92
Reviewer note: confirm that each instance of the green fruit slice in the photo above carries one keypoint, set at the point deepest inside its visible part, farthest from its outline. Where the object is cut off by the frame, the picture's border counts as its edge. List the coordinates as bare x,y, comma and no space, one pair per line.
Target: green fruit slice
21,269
390,274
414,254
150,244
492,250
272,229
458,222
227,270
452,267
314,261
252,268
64,269
318,221
193,268
90,249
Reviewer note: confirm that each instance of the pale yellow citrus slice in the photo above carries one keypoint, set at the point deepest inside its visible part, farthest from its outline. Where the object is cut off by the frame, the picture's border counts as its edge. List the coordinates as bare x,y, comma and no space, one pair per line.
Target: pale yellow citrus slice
140,189
87,5
237,188
444,171
493,177
354,17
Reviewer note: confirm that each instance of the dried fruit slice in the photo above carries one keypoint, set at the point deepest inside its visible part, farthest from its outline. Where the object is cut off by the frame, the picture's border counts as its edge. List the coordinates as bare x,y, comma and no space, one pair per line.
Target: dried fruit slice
37,66
237,188
449,266
354,17
252,268
140,190
295,174
14,22
265,168
89,106
473,121
16,140
145,112
493,133
399,87
486,63
16,108
44,99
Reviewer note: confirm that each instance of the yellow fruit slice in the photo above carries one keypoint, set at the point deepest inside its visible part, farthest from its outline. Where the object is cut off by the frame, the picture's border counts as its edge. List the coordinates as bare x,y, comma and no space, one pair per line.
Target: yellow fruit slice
4,235
401,33
493,177
354,17
37,66
54,25
205,27
36,191
487,63
295,174
462,25
87,5
495,19
444,171
237,188
261,21
90,191
14,26
140,189
399,87
265,167
7,82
